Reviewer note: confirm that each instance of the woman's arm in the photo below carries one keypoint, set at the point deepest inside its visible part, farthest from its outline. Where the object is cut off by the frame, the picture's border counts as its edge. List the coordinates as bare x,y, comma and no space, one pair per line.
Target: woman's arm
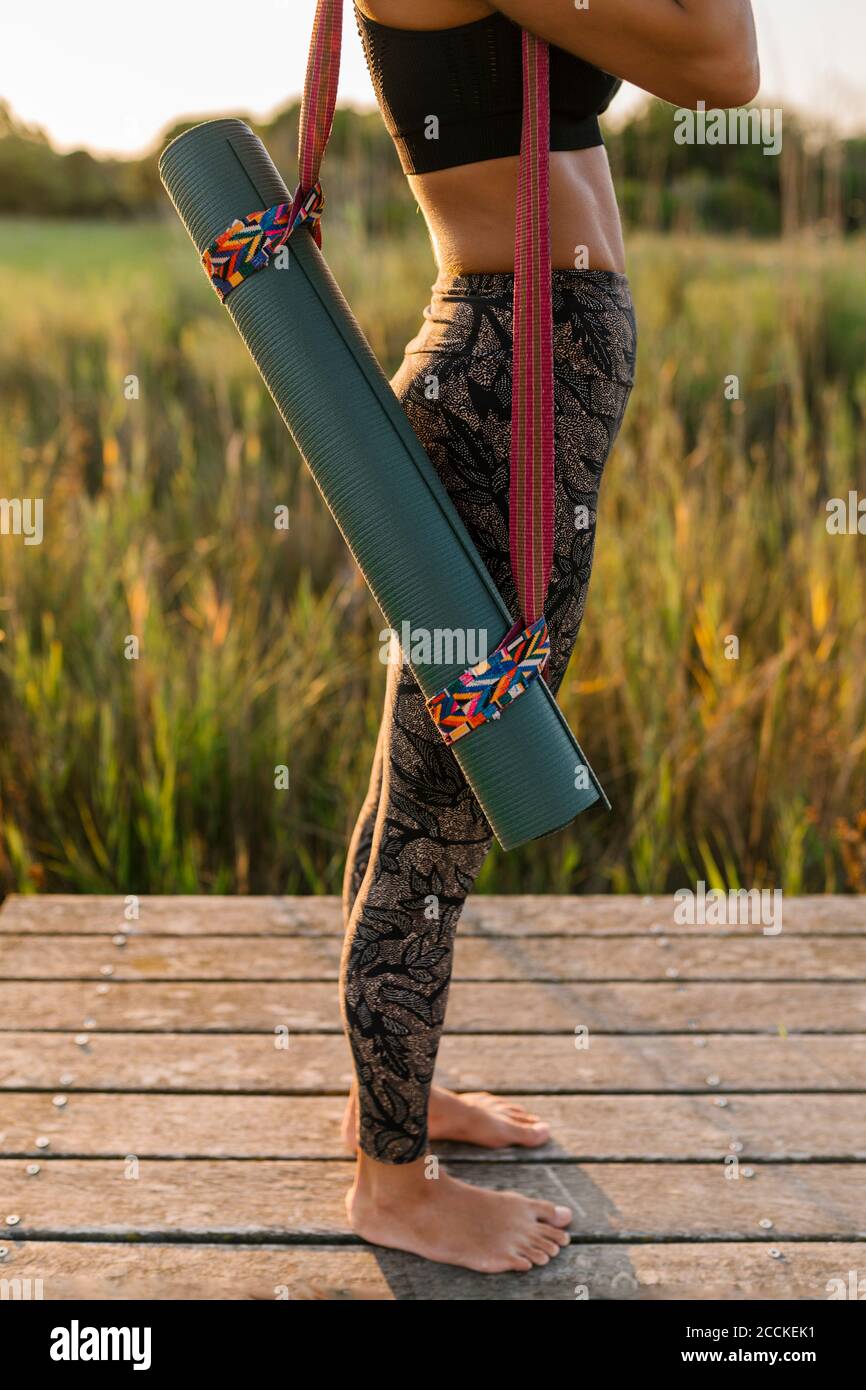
684,51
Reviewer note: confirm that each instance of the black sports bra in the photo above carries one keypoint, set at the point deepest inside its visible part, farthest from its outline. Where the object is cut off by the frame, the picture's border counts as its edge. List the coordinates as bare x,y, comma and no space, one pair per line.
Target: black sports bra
455,96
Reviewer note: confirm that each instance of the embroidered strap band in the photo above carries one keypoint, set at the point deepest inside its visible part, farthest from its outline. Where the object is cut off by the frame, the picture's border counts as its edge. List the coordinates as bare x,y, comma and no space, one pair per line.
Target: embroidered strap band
483,691
250,242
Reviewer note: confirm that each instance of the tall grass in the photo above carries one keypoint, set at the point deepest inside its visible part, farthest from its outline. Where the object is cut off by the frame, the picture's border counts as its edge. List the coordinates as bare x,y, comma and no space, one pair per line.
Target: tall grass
259,647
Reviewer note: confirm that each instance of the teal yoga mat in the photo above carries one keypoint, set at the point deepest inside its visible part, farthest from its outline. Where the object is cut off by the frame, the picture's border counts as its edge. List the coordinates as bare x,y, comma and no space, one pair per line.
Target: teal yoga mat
526,768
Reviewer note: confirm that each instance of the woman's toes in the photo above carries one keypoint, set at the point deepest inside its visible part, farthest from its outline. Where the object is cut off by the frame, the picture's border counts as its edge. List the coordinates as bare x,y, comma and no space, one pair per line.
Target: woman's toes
554,1233
550,1247
539,1130
539,1256
553,1215
522,1132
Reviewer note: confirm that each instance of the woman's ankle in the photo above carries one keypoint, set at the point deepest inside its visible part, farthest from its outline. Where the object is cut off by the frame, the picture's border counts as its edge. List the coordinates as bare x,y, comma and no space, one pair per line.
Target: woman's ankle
383,1182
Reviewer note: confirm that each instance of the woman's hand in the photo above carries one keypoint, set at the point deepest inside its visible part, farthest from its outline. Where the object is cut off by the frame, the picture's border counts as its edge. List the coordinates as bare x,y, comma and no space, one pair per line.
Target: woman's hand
683,51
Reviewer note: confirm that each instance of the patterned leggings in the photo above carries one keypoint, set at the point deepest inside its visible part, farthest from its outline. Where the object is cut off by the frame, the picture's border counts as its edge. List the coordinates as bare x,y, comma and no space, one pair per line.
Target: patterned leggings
421,836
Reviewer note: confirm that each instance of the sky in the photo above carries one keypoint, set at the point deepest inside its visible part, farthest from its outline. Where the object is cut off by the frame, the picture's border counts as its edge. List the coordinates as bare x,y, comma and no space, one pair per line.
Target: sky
111,77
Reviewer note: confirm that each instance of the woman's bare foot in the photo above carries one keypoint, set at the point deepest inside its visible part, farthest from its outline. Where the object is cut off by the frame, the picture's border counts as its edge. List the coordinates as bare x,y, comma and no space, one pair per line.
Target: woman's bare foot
451,1222
475,1117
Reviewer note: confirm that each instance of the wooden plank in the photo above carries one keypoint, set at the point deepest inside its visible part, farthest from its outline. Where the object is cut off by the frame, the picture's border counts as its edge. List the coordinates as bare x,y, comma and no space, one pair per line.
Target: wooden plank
263,1199
494,915
727,1271
623,914
815,958
585,1128
170,958
482,1008
316,1062
178,915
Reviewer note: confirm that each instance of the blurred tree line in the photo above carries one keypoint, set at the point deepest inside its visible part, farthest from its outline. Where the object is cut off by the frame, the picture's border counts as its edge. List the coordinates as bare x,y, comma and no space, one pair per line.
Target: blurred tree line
818,180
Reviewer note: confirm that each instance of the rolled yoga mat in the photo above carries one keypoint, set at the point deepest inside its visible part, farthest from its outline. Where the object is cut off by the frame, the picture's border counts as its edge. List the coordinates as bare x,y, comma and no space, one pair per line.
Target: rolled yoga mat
526,768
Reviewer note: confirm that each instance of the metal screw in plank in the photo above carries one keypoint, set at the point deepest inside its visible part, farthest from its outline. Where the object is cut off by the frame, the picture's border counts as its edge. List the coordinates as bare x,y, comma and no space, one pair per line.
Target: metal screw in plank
721,1102
776,1254
735,1147
748,1172
32,1169
13,1220
60,1101
42,1142
81,1040
119,940
714,1081
106,969
765,1224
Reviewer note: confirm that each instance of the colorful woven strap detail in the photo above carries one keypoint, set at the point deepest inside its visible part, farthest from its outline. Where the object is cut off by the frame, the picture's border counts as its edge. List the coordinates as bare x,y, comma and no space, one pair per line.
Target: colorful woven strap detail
483,691
531,497
250,242
310,209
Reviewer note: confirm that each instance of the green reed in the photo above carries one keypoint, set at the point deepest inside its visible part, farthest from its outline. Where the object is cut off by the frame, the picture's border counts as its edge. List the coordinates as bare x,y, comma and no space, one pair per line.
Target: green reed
258,647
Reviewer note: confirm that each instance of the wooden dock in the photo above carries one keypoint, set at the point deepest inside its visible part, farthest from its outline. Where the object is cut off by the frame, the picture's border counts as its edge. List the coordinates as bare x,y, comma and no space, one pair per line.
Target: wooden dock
171,1089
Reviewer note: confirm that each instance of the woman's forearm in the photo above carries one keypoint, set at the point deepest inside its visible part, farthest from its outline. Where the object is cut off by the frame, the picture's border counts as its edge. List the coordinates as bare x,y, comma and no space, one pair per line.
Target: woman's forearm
684,51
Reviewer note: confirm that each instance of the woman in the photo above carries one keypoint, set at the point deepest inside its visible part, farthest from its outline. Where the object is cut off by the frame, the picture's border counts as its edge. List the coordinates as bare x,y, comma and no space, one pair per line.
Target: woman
447,75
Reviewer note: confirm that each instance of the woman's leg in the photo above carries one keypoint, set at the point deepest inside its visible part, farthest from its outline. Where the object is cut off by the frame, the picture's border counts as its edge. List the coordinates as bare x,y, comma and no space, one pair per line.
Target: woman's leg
430,836
475,1117
429,840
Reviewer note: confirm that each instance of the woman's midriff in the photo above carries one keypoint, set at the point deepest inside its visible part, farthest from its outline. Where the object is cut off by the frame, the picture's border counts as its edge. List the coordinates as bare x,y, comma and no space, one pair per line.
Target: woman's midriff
470,212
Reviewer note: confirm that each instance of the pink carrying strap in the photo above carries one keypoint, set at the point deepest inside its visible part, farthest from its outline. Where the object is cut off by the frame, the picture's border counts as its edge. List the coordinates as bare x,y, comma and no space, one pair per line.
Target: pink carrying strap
318,105
531,497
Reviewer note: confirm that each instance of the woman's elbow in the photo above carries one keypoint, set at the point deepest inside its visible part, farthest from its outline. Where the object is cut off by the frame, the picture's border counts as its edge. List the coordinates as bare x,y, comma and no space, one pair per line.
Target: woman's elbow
716,86
727,80
738,83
